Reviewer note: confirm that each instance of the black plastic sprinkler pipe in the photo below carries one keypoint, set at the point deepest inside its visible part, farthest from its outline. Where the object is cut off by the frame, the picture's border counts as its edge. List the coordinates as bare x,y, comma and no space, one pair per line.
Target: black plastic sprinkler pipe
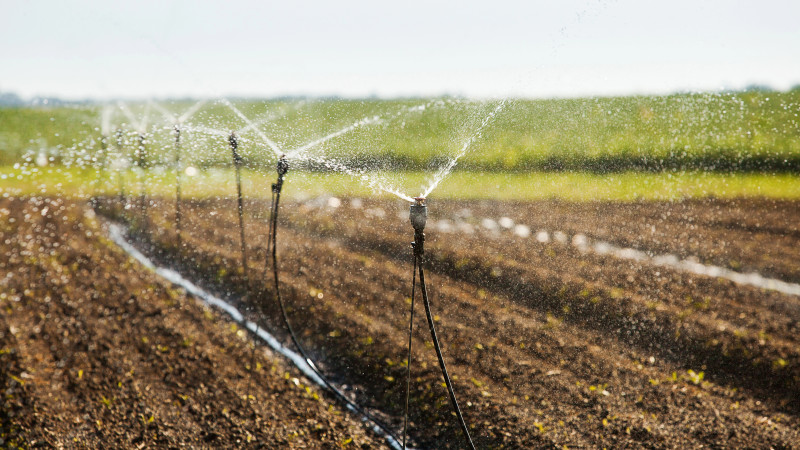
101,171
283,168
408,358
419,216
178,188
142,161
237,163
120,179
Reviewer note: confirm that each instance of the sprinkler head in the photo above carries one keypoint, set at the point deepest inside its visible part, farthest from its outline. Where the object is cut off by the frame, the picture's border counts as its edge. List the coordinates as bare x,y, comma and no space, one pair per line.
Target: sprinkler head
283,165
232,140
234,146
418,214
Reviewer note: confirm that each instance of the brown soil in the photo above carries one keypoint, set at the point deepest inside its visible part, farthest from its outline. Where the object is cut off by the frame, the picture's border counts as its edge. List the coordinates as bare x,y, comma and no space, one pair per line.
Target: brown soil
547,346
96,351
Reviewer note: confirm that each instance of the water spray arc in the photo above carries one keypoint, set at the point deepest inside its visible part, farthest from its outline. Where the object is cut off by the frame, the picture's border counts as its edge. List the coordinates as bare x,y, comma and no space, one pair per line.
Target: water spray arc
419,215
445,170
300,154
250,125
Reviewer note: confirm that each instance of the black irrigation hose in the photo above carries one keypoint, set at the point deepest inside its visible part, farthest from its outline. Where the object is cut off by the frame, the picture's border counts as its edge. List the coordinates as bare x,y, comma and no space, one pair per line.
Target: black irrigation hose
418,216
410,334
120,177
436,346
237,163
142,156
102,161
269,231
282,169
178,188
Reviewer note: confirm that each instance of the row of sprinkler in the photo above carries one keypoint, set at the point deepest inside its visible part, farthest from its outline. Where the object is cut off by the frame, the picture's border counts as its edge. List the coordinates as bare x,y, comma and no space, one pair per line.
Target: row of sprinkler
418,214
140,158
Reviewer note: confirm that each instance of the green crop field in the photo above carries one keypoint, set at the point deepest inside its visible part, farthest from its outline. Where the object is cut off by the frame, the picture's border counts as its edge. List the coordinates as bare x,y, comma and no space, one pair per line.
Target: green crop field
751,131
689,145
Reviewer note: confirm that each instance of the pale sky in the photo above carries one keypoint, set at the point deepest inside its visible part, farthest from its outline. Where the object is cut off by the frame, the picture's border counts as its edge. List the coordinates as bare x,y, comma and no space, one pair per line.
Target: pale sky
144,49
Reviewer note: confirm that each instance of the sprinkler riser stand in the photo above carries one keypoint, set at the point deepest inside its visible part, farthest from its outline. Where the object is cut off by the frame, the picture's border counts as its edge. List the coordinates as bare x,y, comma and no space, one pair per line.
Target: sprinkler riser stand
418,216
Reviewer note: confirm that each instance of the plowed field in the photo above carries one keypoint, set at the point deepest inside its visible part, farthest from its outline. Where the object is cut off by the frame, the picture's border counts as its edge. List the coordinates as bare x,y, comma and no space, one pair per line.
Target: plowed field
549,344
96,351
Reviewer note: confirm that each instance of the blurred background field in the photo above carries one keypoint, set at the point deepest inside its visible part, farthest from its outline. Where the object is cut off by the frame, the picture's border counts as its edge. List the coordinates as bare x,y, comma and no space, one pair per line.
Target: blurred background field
615,148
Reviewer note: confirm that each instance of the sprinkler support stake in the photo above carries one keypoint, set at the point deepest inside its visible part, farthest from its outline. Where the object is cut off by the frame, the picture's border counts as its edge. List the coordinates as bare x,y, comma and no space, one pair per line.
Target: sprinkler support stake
101,171
410,340
418,216
142,156
120,179
237,162
282,168
178,188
